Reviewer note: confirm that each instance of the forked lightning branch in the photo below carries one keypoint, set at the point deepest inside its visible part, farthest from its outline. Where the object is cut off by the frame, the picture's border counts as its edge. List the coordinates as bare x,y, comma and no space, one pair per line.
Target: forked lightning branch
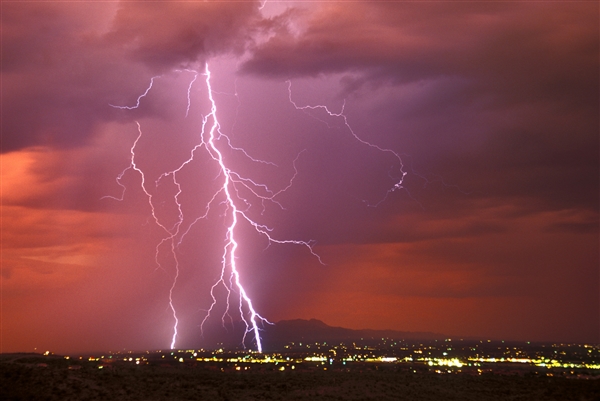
216,145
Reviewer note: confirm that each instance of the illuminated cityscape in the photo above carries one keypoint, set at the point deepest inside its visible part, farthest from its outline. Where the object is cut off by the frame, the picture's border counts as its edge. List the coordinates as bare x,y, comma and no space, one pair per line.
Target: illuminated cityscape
366,369
439,356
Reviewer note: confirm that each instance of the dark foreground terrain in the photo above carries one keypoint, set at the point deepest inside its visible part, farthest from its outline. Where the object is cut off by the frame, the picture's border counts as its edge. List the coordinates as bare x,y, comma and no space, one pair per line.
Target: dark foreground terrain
37,378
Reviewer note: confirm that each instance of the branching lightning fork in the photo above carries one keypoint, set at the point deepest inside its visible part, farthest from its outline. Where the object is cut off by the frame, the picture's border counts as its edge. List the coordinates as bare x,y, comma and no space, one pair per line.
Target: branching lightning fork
212,141
398,181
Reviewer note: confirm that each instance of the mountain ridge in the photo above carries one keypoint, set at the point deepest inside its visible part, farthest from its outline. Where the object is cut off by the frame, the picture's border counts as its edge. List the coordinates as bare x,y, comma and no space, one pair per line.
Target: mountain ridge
313,330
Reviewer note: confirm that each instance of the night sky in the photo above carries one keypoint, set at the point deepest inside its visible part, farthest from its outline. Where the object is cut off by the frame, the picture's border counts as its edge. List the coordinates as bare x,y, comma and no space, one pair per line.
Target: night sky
491,107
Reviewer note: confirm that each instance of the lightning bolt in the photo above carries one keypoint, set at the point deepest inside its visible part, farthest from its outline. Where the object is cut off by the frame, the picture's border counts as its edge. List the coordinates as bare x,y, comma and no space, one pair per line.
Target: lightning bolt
137,104
171,233
398,181
229,257
212,141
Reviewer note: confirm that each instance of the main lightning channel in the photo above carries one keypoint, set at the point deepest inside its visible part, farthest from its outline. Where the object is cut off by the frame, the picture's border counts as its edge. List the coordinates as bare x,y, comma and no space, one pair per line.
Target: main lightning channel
229,256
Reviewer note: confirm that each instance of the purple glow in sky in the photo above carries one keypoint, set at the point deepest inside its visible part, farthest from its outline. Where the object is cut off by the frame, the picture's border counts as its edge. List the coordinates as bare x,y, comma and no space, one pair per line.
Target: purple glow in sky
490,108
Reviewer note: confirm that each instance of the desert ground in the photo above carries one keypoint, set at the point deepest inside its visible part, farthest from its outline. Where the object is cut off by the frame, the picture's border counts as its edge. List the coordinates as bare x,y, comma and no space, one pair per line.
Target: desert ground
37,378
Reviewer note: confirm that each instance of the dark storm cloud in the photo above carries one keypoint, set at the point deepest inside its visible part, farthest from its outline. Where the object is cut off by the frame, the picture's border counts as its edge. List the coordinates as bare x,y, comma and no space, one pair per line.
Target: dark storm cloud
508,103
168,34
549,47
63,65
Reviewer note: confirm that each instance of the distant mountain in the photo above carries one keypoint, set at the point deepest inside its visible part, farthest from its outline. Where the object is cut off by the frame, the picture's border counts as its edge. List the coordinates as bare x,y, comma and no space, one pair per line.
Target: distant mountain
310,331
275,336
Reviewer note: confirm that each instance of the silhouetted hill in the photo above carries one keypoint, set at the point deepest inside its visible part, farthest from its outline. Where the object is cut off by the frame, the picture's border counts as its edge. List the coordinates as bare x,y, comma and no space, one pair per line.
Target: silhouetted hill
313,330
276,336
